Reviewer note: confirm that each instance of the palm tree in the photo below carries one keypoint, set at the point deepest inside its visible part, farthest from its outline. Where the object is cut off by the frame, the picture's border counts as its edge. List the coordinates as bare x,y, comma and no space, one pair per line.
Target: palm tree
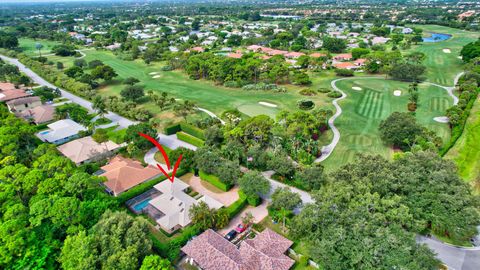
100,106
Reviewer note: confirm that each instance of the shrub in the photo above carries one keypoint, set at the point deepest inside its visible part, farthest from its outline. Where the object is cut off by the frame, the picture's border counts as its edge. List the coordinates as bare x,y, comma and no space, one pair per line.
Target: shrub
308,92
334,94
167,68
254,200
172,129
214,180
344,72
232,84
324,90
305,104
171,250
192,130
190,139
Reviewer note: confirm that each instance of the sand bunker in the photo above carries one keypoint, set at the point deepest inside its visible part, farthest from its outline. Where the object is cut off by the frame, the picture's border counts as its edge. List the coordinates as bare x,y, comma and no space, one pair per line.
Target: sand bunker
267,104
459,57
441,119
447,51
152,73
356,88
156,76
397,93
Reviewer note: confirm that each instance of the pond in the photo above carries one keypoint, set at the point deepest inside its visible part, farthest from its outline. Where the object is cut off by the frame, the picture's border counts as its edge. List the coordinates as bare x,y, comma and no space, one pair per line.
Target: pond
436,37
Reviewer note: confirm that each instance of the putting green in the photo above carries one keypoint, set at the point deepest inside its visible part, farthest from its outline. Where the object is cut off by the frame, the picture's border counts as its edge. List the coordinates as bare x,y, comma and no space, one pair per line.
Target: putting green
257,109
364,110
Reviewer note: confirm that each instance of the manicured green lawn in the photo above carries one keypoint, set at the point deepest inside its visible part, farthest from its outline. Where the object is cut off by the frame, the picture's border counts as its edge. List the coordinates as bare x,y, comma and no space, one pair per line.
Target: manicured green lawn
207,95
28,46
442,67
466,152
364,110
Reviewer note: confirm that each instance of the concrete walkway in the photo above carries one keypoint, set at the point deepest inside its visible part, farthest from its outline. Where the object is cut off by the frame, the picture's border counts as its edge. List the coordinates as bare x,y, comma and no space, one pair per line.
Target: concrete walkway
120,120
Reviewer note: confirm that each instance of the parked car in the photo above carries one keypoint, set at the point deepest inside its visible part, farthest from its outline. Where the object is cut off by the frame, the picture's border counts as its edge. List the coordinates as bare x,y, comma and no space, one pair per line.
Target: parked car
240,228
231,235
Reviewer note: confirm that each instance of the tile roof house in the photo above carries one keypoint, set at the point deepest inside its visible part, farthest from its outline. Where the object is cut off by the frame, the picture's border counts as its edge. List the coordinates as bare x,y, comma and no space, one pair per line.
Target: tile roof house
21,104
61,131
318,55
39,115
175,204
124,174
85,149
294,55
210,251
9,92
345,65
343,57
235,55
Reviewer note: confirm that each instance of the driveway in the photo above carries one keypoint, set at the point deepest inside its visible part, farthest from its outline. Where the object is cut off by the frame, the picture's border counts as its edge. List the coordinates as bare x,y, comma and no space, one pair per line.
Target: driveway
121,121
305,196
259,213
456,258
226,198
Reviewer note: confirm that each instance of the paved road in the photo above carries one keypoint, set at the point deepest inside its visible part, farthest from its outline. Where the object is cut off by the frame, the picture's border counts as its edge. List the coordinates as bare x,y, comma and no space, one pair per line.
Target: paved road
169,141
456,258
305,196
121,121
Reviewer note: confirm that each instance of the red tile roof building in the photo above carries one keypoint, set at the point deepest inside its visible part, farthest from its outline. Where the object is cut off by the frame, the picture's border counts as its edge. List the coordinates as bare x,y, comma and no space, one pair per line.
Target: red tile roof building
124,174
235,55
9,92
264,252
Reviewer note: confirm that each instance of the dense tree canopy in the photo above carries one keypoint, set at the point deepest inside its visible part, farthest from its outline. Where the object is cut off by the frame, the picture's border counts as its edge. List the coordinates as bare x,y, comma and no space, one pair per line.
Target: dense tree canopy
366,217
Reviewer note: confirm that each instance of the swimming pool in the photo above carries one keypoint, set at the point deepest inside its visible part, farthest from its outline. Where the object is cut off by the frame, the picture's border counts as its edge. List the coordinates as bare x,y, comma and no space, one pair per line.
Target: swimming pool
139,206
44,132
436,37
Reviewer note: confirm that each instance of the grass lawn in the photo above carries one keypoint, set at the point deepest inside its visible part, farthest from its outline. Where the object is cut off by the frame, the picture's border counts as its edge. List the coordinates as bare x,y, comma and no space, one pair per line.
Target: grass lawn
207,95
364,110
466,152
442,67
28,46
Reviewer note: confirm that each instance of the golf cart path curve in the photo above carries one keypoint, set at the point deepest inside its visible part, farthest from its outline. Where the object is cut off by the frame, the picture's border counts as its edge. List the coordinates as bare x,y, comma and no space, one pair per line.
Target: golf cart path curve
327,150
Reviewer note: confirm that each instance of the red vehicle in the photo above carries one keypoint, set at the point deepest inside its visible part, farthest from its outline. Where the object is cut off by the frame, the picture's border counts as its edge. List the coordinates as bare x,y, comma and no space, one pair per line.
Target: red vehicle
240,228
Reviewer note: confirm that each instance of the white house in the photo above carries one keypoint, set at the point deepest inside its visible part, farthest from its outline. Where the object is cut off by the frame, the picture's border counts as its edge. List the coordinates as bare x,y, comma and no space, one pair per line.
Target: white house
61,131
175,204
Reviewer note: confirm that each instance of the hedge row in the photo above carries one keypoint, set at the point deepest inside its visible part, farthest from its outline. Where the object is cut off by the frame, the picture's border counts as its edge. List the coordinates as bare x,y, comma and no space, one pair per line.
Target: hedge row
212,179
238,205
192,130
172,129
190,139
171,250
457,130
144,187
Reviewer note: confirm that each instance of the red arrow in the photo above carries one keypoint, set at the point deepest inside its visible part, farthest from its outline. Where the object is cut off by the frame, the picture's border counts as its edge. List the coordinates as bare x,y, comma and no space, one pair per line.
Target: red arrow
164,154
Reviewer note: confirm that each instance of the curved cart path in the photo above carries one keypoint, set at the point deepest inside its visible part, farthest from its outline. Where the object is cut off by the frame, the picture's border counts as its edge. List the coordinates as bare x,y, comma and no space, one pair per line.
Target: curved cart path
328,149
